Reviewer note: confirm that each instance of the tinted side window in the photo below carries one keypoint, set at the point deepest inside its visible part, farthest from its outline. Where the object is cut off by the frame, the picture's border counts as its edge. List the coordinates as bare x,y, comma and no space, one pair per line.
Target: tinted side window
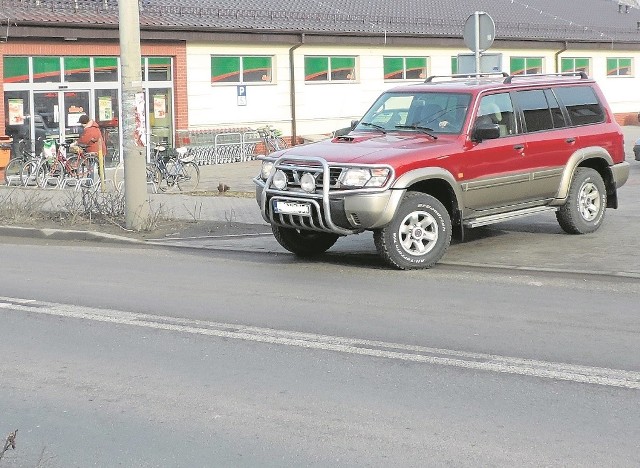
537,115
582,104
556,113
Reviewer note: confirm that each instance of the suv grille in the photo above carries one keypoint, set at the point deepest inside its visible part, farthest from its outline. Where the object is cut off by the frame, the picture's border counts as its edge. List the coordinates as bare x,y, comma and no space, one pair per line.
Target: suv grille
295,172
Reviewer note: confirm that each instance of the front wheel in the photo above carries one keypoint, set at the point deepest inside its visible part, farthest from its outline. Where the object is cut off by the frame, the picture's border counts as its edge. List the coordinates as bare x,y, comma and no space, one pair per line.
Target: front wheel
304,243
586,203
419,234
188,177
13,170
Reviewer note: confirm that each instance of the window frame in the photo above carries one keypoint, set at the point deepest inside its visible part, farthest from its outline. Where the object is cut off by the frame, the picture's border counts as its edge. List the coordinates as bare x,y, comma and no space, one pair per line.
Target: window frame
526,66
403,71
618,75
330,70
574,68
241,72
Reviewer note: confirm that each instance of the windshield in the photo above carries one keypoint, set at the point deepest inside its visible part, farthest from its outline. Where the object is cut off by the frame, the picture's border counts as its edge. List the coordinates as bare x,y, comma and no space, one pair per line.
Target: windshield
437,113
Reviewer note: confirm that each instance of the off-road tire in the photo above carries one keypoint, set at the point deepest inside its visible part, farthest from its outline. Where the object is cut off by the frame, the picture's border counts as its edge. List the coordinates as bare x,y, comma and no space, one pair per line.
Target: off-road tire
419,234
586,203
302,242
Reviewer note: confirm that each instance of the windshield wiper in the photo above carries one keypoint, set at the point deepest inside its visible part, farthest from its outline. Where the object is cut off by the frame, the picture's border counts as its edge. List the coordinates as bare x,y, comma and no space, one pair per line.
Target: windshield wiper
426,130
376,126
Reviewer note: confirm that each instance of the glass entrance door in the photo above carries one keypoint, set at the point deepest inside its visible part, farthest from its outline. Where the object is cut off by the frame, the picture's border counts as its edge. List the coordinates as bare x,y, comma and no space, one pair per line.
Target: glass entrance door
56,113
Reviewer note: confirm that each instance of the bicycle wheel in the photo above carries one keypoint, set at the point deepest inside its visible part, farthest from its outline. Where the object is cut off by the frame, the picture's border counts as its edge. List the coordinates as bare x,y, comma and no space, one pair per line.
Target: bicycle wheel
85,168
30,171
13,171
159,180
118,176
51,175
188,177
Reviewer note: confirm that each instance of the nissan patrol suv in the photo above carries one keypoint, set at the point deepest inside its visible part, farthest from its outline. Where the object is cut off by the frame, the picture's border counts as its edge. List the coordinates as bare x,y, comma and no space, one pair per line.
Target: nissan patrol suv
451,153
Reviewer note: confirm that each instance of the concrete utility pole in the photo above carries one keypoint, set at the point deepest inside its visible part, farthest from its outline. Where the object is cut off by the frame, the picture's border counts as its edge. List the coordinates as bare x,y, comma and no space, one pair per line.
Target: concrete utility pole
137,209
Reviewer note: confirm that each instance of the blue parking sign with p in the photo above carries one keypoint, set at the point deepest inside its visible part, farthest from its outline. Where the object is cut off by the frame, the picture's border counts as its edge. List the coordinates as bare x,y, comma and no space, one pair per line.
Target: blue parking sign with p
242,95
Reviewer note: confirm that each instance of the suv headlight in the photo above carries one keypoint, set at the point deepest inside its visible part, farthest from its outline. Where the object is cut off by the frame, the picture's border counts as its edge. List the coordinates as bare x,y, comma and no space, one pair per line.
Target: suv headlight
358,177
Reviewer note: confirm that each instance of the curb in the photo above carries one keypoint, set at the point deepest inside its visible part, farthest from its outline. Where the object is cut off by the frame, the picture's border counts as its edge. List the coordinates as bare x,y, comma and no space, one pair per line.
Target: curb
65,234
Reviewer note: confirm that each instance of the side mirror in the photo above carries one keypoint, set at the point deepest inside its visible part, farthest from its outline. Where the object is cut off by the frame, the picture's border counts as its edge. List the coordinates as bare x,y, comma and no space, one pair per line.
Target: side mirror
355,122
486,131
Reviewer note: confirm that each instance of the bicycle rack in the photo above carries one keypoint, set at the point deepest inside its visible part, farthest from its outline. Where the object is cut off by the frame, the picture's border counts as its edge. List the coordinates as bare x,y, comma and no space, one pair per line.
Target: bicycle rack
12,178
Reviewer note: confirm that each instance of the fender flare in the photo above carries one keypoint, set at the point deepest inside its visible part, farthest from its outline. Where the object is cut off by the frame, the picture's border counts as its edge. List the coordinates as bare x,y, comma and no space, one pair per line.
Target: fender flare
583,154
406,180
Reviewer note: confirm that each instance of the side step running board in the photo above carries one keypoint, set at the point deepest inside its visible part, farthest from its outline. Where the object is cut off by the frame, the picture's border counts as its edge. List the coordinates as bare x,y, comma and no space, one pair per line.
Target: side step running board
496,218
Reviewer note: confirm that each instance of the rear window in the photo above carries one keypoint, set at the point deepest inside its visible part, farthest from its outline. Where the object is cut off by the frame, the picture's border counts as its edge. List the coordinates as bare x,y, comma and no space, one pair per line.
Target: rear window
582,104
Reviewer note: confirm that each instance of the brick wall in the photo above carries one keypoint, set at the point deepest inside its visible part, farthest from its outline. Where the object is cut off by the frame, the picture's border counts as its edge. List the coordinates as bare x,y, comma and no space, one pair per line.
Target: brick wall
627,118
66,48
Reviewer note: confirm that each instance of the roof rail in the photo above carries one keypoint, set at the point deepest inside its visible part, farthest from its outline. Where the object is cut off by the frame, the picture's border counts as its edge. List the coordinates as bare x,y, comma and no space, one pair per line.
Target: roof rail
581,74
467,75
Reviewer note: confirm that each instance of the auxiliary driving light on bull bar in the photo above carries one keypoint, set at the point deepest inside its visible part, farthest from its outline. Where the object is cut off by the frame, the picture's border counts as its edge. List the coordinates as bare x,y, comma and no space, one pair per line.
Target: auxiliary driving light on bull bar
280,180
308,183
267,167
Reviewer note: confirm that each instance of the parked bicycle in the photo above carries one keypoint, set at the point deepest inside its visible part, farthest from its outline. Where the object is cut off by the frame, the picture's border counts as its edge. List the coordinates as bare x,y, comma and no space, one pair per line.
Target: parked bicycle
13,171
60,162
272,139
177,169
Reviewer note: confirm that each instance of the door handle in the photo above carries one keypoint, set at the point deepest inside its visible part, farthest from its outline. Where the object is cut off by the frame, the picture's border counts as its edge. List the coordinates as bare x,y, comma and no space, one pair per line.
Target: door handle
518,147
570,140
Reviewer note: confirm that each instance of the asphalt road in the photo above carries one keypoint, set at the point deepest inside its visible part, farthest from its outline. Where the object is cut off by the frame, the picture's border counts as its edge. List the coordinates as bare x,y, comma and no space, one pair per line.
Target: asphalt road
151,356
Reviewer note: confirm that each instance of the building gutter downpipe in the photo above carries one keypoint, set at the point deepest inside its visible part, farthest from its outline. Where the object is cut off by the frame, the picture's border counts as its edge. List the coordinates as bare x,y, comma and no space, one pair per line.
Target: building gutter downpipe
292,91
557,54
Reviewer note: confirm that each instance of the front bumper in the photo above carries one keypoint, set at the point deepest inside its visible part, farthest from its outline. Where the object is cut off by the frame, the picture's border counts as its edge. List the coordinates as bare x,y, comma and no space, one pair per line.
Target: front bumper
337,211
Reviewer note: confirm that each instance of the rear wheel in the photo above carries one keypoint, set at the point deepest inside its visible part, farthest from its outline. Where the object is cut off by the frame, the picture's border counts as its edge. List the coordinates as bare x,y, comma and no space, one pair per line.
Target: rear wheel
304,243
188,177
419,234
586,203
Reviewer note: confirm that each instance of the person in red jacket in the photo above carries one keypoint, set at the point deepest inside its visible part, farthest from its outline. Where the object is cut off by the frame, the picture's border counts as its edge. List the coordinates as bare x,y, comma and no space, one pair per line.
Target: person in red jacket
91,136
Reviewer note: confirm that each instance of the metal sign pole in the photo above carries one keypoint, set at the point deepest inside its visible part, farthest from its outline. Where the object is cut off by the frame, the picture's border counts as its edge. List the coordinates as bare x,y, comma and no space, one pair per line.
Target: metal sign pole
477,41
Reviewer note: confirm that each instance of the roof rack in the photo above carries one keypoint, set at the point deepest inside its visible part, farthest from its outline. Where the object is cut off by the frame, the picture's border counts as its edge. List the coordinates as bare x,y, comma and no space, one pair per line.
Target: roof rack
581,74
467,75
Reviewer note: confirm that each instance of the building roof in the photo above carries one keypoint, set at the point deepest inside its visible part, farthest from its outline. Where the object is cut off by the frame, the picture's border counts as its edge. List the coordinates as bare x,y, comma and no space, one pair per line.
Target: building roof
600,21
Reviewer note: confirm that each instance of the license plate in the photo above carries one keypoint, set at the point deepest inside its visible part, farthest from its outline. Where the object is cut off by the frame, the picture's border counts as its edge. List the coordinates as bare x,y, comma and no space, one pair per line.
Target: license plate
292,208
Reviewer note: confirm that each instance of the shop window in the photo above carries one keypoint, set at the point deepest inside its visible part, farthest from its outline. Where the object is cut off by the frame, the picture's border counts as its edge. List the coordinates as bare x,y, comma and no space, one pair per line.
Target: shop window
619,66
16,69
526,65
241,69
16,108
107,111
329,68
105,69
571,64
159,68
454,65
405,68
160,116
77,69
46,69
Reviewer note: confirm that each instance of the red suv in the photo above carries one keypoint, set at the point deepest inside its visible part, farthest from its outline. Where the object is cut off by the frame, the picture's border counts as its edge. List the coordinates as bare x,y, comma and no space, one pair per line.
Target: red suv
452,152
